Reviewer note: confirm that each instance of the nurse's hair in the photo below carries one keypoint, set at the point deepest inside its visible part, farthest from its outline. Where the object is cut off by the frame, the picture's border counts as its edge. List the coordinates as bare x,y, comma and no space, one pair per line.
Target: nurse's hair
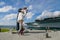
19,10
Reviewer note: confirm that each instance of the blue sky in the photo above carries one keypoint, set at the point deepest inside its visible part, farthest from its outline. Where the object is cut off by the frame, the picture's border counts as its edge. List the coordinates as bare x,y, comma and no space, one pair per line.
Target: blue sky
37,9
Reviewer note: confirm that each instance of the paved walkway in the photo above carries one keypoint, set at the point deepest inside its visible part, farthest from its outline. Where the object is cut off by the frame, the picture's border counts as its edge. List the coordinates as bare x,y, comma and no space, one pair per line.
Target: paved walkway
30,36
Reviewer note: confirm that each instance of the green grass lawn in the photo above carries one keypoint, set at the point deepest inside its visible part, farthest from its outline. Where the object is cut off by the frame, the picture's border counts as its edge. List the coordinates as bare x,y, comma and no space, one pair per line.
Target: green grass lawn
4,30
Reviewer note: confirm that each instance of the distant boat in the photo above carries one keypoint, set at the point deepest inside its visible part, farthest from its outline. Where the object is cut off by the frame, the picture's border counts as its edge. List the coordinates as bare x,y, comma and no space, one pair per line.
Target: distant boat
51,22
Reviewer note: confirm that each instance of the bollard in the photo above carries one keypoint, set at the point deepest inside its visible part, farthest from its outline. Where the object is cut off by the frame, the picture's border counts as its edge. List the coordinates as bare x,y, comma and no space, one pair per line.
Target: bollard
47,35
47,30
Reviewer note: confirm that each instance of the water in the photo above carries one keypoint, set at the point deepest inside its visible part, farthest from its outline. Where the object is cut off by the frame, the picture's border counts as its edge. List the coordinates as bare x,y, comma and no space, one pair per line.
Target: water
3,26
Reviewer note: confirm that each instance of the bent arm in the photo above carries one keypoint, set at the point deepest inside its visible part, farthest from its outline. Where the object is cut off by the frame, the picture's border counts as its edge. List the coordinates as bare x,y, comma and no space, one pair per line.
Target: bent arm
25,12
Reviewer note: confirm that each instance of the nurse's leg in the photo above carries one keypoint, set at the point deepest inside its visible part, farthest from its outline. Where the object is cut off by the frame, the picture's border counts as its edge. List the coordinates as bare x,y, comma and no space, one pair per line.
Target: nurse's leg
21,26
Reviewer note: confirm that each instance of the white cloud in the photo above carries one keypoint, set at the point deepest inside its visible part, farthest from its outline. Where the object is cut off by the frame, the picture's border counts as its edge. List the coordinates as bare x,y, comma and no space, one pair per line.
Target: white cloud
8,23
2,3
7,19
30,7
29,15
56,13
10,16
47,14
6,8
